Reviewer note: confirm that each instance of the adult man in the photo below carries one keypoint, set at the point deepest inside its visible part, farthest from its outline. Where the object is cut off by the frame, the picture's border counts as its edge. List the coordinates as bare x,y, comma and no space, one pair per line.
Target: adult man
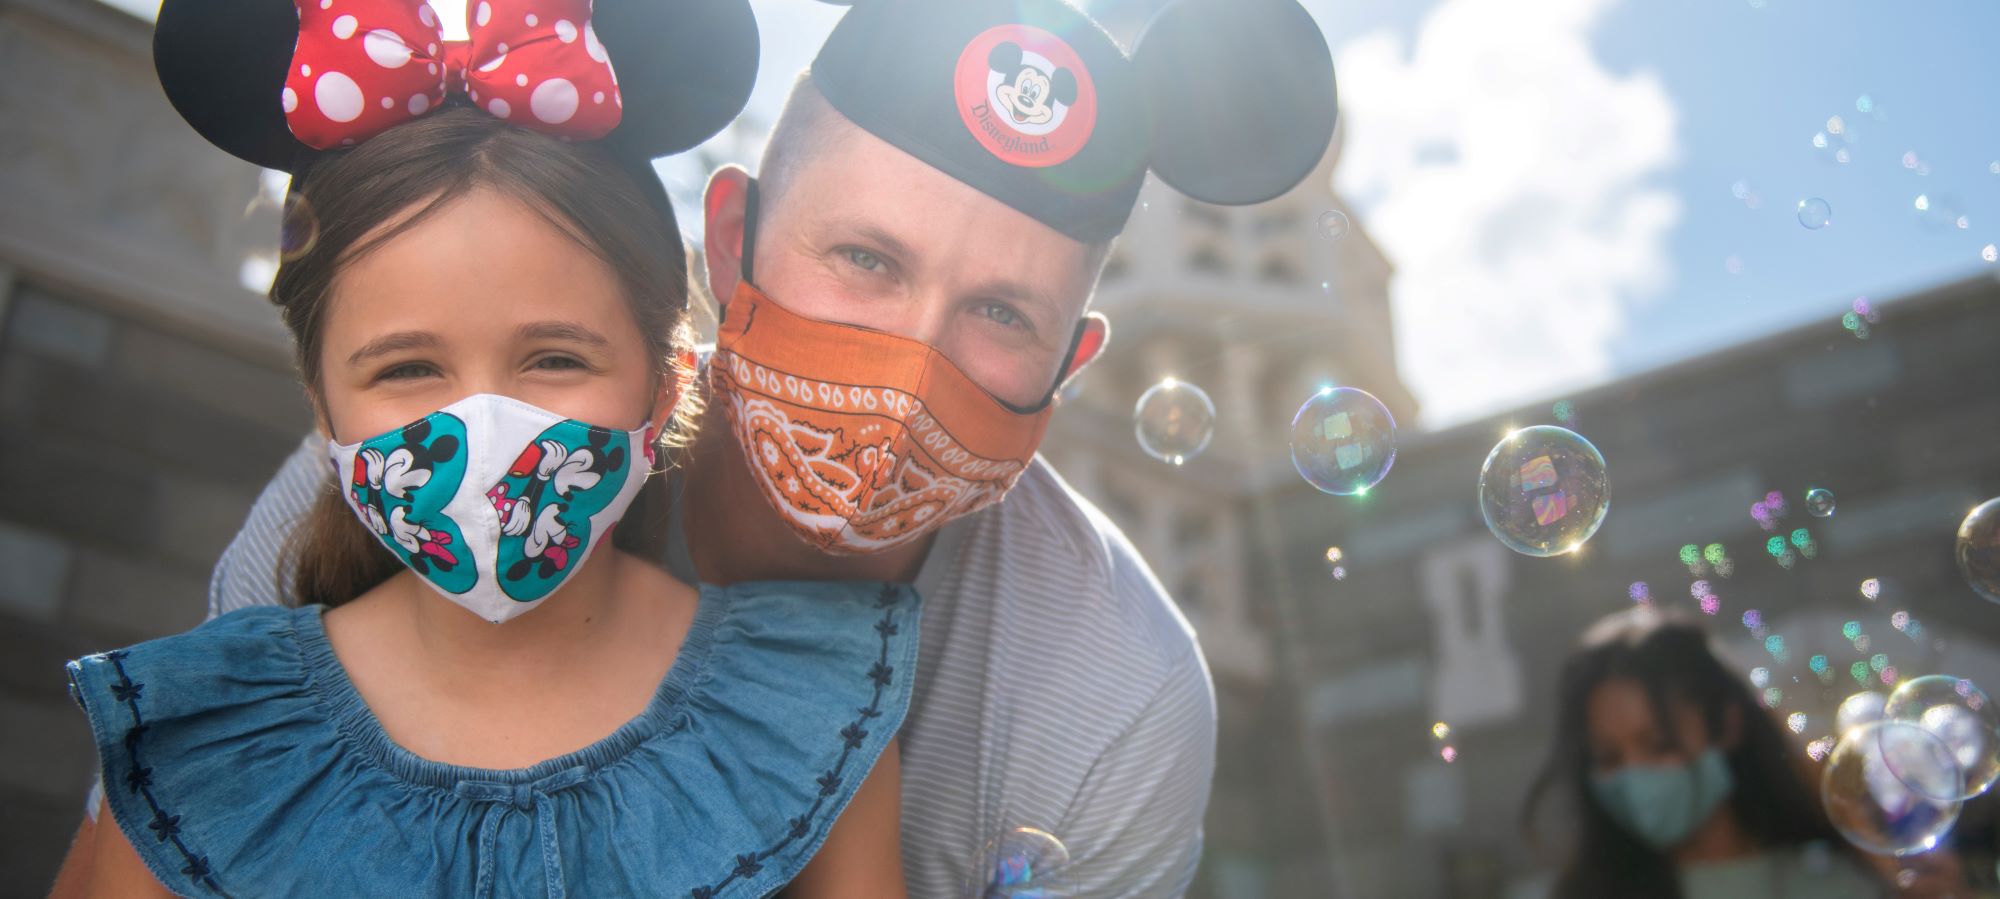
936,202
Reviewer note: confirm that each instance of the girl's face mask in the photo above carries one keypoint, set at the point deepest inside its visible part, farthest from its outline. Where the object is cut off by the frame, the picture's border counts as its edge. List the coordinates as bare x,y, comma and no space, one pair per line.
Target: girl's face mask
492,501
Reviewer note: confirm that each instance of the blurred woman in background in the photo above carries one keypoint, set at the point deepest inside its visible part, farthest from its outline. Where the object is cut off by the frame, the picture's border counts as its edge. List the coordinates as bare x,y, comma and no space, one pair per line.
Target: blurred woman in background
1682,785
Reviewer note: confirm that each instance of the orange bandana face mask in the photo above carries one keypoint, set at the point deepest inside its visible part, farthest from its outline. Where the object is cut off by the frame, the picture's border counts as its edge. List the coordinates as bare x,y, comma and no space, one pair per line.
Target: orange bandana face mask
860,439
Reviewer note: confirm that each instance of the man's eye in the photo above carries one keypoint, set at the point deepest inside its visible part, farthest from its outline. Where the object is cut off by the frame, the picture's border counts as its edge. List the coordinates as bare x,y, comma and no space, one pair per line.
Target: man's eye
866,260
1002,314
407,371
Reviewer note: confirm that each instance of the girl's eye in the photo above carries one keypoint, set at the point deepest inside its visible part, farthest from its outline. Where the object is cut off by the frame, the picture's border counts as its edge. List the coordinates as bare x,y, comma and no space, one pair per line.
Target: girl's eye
865,260
558,363
407,371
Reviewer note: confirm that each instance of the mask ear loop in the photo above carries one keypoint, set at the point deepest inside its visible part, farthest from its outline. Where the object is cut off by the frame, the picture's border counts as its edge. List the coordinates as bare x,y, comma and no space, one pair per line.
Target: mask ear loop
748,257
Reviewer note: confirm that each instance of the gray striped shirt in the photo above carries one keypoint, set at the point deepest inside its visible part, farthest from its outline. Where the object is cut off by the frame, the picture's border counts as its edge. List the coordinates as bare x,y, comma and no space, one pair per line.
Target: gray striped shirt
1057,688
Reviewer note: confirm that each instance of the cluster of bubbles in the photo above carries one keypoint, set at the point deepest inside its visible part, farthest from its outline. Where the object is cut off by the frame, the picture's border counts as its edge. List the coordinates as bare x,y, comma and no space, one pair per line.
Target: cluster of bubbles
1858,317
1174,421
1024,863
1905,763
1544,490
1343,441
1441,734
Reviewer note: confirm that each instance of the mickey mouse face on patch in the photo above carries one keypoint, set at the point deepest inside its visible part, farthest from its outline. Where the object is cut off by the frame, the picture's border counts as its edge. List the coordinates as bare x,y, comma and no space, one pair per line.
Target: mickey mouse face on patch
1025,95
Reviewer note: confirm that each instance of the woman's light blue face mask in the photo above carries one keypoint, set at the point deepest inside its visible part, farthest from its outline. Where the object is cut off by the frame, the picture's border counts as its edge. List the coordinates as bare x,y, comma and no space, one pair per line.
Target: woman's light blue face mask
1663,804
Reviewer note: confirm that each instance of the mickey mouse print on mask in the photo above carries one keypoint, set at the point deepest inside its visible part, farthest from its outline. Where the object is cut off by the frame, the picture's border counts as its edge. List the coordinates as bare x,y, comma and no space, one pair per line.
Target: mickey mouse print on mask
492,501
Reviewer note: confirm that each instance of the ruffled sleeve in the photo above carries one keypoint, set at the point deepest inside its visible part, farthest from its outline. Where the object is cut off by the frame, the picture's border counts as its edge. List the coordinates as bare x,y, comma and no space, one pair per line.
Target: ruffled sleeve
157,712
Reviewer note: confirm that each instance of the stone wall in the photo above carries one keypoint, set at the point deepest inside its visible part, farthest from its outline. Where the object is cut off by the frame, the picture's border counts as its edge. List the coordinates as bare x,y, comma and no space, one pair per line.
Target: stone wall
145,394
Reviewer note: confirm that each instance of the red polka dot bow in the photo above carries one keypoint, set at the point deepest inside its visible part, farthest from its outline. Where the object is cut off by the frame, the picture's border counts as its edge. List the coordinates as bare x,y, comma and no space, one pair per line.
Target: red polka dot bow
364,66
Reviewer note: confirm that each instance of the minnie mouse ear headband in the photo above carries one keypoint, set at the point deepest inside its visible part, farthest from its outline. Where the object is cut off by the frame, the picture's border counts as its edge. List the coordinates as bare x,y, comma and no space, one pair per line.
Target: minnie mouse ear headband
1030,101
282,84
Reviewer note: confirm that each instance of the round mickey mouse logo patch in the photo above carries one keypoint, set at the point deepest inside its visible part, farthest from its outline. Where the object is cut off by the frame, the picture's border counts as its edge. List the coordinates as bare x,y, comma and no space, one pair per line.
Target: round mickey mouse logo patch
1025,95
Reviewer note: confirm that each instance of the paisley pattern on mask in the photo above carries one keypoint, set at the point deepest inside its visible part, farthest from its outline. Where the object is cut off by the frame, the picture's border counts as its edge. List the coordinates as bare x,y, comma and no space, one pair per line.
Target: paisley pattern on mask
853,464
399,485
545,503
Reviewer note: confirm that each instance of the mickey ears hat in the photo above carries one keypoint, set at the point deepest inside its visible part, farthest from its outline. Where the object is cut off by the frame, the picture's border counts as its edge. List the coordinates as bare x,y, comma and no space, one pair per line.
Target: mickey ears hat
1228,101
241,71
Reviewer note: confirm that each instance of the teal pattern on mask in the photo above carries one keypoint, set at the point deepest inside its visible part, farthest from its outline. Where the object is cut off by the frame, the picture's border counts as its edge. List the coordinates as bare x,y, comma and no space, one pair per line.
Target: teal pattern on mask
1663,804
563,478
401,483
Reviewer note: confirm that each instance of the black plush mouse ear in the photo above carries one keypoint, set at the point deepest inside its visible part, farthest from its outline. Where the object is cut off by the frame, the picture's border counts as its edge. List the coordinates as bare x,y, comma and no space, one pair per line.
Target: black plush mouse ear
1241,97
222,64
685,69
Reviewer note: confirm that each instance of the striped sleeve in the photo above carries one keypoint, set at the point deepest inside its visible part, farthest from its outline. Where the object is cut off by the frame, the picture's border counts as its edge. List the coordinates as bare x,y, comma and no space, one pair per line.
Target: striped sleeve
248,573
1140,808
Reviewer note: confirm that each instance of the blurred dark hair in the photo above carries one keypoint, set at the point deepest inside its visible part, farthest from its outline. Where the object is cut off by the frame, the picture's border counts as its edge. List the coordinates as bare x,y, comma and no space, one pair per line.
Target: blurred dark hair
1670,658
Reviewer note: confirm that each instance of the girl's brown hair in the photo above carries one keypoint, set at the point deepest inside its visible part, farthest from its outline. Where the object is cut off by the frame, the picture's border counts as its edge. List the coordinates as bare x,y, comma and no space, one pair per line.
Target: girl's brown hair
334,217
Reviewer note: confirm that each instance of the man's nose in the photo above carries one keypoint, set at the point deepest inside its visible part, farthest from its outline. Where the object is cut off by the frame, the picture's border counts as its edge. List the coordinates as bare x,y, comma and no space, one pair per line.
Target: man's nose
927,319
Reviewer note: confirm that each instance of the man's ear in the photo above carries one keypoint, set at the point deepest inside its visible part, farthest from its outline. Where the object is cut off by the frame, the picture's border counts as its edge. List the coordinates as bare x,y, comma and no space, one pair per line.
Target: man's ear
724,208
1096,334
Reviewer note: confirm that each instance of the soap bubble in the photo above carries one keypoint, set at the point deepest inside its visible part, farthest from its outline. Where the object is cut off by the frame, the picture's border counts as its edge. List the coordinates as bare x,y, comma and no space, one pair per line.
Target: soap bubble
1333,224
1851,630
1025,863
1711,604
1979,549
1899,620
1441,731
1760,677
1343,441
1774,644
1990,253
1859,709
1333,554
1878,661
1174,421
1773,696
1639,592
1753,619
1448,754
1815,213
1819,502
1867,792
1958,713
1565,412
1339,573
1699,589
1871,589
1796,721
1543,491
1818,749
1859,671
1817,663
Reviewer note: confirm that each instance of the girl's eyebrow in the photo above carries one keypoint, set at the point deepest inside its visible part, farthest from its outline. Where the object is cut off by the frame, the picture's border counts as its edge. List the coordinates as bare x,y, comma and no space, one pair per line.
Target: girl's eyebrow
393,343
570,331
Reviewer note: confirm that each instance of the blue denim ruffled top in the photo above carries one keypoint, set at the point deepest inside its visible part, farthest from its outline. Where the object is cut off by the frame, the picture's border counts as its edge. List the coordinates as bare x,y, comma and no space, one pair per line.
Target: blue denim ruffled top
239,760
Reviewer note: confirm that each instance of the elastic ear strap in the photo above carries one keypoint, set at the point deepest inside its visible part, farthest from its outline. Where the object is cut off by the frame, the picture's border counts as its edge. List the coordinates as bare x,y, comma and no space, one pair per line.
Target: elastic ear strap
749,254
1062,369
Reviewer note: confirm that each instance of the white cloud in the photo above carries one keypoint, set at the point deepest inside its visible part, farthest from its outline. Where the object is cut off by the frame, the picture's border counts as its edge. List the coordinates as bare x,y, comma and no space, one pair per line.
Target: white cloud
1512,180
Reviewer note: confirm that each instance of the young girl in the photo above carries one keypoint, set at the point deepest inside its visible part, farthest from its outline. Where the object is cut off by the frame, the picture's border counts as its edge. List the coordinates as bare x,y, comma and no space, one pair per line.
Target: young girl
1682,785
490,695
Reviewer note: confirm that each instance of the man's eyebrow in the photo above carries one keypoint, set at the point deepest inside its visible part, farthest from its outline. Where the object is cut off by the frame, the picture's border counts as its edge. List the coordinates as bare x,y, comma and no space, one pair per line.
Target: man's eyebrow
888,243
394,343
570,331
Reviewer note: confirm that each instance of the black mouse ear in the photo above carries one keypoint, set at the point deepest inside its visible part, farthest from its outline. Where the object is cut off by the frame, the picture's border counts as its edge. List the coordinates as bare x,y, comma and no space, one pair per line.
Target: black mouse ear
1062,87
685,69
1241,97
222,64
1005,58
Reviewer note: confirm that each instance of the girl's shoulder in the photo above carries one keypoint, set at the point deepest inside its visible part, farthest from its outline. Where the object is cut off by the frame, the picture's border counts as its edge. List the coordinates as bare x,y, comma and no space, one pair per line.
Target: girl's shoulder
238,758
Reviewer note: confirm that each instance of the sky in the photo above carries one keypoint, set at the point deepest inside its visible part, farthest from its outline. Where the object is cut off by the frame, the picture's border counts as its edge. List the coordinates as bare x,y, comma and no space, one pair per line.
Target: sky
1556,182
